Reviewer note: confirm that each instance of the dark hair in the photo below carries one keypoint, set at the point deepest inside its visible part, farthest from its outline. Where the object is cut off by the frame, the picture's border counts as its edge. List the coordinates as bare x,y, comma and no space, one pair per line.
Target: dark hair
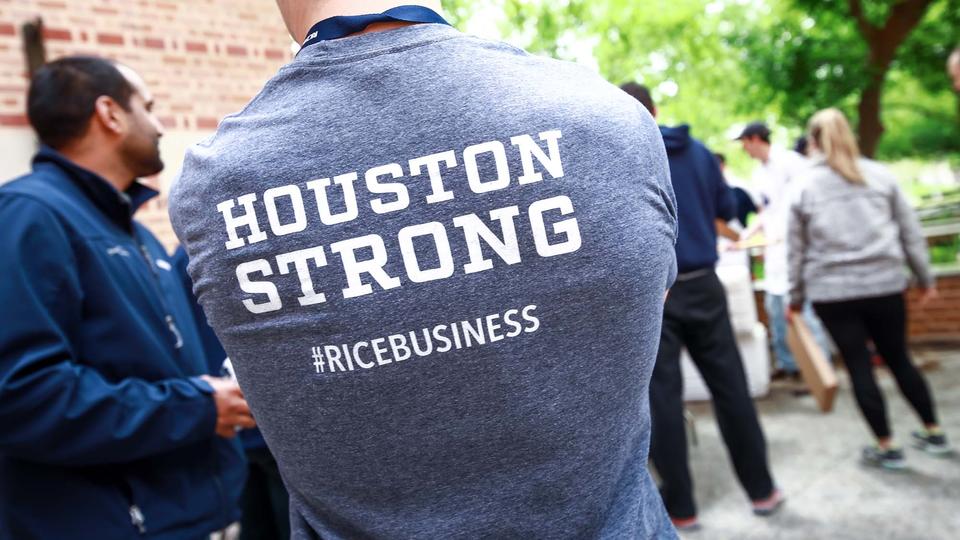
801,145
639,92
721,159
755,129
63,96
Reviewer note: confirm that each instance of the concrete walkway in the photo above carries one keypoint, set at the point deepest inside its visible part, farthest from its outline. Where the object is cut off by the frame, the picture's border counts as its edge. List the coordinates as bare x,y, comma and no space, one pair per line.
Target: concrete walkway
815,460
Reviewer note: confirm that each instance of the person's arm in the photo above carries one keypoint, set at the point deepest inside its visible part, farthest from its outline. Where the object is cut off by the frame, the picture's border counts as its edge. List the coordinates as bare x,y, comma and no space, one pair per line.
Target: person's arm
725,231
55,407
751,231
912,239
797,252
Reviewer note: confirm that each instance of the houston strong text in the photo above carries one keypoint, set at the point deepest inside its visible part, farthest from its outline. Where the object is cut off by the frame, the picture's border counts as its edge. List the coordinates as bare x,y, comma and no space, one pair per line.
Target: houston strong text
362,259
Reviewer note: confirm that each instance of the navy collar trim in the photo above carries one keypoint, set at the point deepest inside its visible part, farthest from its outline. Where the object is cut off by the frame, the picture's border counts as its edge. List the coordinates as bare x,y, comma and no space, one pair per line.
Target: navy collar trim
344,25
118,206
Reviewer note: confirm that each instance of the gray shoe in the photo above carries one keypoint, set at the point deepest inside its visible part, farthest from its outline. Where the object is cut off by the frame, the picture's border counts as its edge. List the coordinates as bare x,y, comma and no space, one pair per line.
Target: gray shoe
770,505
891,459
932,444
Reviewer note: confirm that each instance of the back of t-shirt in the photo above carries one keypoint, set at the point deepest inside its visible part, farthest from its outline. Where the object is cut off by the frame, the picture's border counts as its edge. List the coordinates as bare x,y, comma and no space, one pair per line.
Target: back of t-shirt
438,265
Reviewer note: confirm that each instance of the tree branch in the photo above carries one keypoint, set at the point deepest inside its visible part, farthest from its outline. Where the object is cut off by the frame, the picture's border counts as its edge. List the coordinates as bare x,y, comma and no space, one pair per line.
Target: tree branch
903,18
883,42
867,29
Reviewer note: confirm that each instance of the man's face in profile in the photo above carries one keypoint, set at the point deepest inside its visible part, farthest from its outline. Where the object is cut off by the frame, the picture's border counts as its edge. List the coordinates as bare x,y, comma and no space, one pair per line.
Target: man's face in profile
141,145
752,145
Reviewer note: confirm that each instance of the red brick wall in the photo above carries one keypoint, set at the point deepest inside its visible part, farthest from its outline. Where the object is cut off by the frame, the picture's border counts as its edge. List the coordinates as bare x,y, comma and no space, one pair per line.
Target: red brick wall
203,59
939,320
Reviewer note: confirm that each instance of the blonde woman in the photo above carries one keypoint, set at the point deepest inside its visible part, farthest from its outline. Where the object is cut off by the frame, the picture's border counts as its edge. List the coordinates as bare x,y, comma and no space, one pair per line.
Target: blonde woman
851,234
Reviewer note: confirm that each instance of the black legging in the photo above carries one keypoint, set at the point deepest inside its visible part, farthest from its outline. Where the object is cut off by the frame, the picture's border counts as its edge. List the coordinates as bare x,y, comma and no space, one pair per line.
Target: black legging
883,320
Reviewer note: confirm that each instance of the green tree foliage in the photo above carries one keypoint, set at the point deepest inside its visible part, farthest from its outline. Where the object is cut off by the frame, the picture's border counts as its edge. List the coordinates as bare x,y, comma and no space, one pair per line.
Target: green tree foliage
863,56
678,48
715,63
458,10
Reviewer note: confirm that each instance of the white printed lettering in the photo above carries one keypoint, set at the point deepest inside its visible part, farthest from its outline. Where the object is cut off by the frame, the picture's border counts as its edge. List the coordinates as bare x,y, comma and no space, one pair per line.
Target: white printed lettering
354,269
299,222
473,170
319,188
534,322
492,327
568,227
356,355
396,188
248,219
529,149
432,163
261,266
474,229
409,252
398,344
299,259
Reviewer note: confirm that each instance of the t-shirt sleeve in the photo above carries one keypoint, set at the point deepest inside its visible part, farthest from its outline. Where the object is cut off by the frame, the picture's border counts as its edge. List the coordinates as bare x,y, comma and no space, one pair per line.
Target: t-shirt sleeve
654,153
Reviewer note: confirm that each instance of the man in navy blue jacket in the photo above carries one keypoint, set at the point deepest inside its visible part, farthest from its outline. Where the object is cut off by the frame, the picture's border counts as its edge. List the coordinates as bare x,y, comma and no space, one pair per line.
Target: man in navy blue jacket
109,427
696,317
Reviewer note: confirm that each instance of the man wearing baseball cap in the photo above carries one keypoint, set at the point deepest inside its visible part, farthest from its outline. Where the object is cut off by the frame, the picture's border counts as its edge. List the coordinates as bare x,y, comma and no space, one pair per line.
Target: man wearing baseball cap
777,169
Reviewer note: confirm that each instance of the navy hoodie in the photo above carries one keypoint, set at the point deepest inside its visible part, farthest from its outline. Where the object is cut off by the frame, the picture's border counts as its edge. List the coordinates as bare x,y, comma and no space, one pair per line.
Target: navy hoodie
105,429
702,197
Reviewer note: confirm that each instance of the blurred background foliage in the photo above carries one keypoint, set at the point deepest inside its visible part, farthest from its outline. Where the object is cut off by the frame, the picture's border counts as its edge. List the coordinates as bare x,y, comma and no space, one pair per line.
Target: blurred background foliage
717,64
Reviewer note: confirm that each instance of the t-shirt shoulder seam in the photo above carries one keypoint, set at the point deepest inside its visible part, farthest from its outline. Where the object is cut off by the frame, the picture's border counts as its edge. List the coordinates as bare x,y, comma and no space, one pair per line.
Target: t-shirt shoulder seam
323,62
349,59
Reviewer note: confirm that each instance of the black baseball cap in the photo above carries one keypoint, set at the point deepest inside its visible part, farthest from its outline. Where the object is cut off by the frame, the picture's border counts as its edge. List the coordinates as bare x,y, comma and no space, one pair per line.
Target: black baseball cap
758,129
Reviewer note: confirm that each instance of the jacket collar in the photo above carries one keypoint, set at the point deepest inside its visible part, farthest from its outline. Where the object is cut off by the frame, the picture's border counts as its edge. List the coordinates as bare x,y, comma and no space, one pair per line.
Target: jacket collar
118,206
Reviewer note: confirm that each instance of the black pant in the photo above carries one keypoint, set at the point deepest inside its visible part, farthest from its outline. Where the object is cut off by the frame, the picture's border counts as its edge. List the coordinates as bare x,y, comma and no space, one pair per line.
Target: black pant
265,503
883,320
696,316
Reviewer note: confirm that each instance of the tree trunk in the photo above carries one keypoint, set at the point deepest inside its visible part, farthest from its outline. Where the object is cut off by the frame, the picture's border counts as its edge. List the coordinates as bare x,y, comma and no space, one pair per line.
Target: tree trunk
882,42
870,128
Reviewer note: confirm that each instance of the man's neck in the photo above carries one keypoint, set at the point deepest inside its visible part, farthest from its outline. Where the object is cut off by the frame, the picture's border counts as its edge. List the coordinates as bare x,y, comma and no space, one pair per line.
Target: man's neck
333,8
107,167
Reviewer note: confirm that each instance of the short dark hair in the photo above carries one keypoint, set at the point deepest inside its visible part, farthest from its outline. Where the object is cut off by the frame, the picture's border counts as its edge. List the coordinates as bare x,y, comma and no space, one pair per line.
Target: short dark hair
801,145
639,92
755,129
63,96
721,159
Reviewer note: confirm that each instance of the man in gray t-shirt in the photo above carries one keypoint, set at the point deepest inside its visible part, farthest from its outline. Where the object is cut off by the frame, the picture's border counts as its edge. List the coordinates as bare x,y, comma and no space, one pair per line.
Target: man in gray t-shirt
438,265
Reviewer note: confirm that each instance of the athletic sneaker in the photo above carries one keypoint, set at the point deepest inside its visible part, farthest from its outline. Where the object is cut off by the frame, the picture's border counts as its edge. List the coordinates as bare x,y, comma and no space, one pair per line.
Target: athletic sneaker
891,458
770,505
932,443
689,524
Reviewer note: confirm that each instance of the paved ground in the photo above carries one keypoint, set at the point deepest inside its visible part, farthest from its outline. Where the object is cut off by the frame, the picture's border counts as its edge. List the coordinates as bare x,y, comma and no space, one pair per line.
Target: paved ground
815,459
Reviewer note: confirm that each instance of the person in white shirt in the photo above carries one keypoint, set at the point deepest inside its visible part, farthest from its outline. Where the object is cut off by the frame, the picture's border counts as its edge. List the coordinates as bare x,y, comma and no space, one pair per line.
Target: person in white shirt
772,178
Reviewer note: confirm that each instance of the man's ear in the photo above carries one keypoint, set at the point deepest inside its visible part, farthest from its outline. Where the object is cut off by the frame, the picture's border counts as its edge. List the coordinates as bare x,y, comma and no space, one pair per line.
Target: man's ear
108,113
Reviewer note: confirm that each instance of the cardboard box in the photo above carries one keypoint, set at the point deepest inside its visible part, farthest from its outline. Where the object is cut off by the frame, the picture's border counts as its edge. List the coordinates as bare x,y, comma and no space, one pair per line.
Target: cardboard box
817,372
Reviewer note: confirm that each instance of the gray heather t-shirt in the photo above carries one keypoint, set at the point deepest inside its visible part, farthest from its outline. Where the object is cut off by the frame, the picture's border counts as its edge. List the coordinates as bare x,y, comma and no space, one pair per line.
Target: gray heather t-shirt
438,265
